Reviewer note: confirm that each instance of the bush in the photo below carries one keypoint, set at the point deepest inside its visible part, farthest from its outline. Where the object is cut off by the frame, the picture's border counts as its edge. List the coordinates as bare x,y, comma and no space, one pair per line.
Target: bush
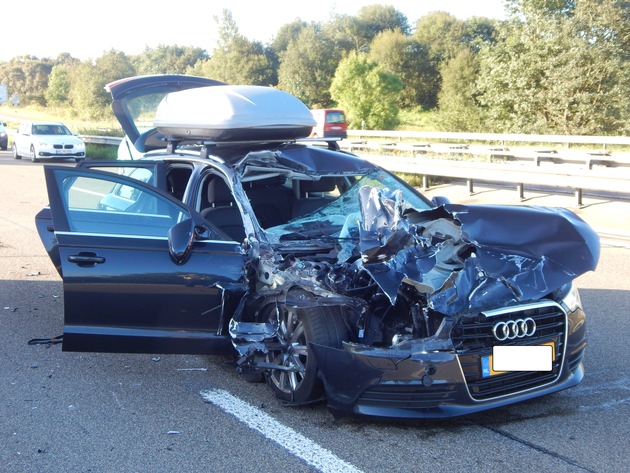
95,151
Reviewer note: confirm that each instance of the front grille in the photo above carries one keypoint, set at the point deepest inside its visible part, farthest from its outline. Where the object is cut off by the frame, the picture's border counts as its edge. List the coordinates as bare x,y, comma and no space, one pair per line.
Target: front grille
57,146
68,146
473,339
63,146
406,396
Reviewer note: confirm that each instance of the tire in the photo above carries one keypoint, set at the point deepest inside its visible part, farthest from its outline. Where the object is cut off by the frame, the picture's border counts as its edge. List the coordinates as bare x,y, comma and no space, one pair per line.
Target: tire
298,328
33,155
15,152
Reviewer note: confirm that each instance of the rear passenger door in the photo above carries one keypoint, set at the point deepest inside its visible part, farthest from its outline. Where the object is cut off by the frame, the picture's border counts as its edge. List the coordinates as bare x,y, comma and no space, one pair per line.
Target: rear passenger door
149,172
170,177
123,290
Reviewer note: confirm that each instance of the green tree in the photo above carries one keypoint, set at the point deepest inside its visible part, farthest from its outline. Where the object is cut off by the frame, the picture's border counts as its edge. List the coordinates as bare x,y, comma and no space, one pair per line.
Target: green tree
87,95
559,68
165,59
236,60
287,33
459,109
60,79
446,38
59,84
374,19
66,59
367,93
307,67
479,32
341,34
28,77
402,55
442,33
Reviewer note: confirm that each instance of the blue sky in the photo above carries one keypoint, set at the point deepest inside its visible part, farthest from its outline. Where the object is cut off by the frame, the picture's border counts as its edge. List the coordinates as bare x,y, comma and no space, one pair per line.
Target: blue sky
86,29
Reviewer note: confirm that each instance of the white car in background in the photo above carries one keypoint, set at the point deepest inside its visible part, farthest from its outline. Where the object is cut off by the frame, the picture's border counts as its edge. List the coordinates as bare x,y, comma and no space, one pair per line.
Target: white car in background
46,140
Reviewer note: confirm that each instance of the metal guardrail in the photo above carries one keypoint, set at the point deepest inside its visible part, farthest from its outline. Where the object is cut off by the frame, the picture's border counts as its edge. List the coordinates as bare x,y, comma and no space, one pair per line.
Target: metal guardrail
577,169
499,138
595,169
101,140
536,155
577,179
501,151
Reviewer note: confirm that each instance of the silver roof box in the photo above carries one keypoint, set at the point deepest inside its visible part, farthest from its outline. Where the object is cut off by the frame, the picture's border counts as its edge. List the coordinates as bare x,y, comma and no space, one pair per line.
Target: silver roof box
233,113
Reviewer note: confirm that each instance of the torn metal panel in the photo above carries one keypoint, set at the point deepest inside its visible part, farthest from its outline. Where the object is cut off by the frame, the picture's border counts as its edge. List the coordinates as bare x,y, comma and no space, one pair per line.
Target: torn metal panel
458,260
471,258
321,161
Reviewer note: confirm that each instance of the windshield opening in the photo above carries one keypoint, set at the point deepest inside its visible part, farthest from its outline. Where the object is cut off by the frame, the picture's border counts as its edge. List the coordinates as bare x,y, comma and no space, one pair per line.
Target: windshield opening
335,213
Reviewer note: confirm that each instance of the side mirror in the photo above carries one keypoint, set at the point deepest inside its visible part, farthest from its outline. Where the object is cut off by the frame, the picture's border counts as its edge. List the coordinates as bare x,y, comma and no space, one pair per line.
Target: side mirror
440,200
180,240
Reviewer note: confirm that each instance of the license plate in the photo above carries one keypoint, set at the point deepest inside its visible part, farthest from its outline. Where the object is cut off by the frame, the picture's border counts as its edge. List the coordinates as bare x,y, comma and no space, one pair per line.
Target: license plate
518,358
63,151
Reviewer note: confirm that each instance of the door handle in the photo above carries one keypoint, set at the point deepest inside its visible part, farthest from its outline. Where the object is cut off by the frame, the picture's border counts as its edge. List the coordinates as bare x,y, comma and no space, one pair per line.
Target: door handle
86,259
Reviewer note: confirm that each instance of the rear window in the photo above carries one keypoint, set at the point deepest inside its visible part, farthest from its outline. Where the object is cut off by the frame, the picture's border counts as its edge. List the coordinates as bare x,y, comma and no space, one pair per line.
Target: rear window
335,117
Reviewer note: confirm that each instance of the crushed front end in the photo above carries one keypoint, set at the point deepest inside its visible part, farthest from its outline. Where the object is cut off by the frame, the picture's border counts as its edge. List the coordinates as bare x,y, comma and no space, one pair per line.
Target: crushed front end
449,373
420,297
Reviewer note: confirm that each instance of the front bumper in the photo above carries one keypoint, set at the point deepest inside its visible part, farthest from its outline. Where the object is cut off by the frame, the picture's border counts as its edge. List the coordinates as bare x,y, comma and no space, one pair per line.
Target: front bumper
382,382
54,154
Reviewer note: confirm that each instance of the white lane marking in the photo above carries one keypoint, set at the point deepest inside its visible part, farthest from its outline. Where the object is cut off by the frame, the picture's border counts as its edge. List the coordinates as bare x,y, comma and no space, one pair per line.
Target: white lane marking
299,445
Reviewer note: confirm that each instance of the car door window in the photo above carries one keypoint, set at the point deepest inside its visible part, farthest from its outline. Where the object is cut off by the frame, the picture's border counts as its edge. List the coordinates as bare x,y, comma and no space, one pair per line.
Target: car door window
107,206
172,178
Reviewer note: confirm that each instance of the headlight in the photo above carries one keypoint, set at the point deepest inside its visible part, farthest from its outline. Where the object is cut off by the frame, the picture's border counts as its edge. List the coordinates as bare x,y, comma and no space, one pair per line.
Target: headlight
569,297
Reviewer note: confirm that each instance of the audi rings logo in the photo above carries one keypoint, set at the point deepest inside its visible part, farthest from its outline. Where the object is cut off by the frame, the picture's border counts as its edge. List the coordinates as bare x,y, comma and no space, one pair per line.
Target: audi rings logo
512,329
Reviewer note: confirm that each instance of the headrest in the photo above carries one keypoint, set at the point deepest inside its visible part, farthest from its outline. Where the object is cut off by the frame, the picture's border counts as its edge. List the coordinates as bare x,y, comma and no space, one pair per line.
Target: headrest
274,181
219,192
325,184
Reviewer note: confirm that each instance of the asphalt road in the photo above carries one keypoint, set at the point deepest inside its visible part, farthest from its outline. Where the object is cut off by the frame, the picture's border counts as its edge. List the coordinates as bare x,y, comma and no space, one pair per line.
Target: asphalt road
74,412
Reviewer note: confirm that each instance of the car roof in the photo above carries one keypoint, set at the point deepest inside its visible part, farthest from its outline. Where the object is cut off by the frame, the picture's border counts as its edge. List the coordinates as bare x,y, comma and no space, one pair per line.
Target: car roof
293,157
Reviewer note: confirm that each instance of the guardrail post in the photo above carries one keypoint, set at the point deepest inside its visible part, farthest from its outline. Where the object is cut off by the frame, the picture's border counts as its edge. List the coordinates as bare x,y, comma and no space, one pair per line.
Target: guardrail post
425,182
521,191
578,197
469,183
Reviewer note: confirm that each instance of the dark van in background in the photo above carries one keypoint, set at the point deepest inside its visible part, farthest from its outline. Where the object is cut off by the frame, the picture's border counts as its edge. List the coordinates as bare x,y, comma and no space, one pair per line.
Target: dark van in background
330,123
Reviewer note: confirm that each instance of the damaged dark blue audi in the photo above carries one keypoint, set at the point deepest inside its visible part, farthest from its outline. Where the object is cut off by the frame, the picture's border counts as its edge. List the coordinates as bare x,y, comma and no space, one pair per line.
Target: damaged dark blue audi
221,228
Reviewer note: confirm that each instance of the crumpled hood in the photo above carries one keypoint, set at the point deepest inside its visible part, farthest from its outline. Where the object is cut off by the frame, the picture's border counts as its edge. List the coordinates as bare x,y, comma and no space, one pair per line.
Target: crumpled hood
471,258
